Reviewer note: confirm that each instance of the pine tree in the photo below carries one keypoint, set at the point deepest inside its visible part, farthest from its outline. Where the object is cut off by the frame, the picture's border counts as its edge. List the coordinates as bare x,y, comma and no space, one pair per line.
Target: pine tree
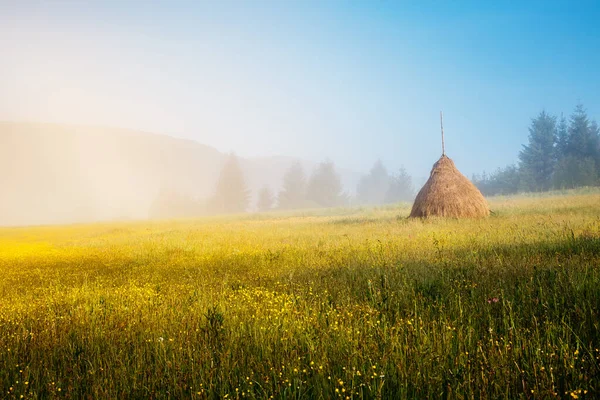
325,187
231,195
572,172
400,187
537,159
581,140
293,193
372,188
265,199
578,165
562,138
595,132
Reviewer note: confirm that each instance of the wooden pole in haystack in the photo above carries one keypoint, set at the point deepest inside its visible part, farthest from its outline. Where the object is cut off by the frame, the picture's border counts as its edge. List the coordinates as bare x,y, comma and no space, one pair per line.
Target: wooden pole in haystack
442,126
448,193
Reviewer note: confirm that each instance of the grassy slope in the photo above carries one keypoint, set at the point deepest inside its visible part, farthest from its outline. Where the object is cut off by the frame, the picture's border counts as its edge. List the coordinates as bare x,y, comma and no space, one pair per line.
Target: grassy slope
361,303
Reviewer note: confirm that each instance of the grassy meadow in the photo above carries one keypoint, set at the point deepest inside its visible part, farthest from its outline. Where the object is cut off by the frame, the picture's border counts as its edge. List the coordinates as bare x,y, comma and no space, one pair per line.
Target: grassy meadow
349,304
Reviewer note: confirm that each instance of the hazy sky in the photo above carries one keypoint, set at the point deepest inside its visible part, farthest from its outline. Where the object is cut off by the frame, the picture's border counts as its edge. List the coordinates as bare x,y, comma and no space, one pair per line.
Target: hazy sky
351,80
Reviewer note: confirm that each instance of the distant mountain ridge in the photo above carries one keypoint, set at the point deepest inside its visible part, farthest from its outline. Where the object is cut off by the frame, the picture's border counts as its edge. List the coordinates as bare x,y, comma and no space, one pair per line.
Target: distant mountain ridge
55,173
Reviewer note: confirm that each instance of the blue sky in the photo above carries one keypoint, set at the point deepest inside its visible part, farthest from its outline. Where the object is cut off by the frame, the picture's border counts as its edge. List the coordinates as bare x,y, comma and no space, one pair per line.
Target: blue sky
352,81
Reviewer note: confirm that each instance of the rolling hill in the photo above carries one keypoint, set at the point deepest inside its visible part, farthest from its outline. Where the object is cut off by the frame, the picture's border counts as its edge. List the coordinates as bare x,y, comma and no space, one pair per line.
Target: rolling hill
54,173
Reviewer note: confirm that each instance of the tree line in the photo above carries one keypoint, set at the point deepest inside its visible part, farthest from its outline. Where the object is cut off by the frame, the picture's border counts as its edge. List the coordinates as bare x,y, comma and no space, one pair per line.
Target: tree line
560,154
323,188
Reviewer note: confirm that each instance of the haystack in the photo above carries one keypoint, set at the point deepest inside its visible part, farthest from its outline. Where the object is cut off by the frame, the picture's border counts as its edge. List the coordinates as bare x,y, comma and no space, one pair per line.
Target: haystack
448,193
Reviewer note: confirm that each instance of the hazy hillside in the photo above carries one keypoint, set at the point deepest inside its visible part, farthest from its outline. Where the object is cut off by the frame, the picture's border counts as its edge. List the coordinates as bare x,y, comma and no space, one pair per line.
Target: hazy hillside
58,173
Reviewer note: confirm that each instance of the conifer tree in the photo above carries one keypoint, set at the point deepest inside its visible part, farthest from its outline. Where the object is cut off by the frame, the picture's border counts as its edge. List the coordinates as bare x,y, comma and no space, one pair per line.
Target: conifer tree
265,199
578,164
325,187
231,195
581,141
400,188
537,158
293,193
562,138
372,188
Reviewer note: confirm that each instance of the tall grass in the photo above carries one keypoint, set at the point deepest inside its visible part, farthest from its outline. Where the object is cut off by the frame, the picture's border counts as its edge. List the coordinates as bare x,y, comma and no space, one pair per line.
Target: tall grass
363,304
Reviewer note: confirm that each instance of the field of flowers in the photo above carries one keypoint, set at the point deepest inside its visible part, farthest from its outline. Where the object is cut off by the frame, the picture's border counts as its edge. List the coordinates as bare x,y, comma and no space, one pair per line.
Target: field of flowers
350,304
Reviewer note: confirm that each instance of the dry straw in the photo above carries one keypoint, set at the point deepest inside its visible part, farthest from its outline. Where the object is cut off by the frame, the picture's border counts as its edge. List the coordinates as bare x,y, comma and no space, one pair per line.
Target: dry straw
448,193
